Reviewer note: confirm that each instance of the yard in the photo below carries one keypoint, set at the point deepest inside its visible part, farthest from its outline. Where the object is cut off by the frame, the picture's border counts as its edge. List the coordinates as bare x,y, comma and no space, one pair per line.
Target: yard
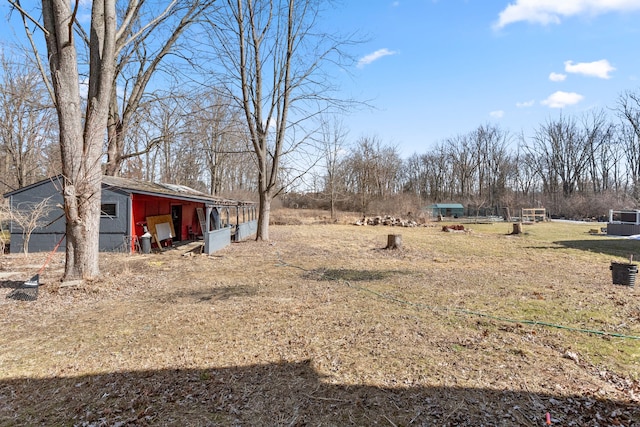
322,326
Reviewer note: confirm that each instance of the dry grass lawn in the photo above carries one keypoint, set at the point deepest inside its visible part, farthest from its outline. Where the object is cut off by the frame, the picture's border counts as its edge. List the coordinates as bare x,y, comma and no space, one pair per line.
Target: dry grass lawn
322,326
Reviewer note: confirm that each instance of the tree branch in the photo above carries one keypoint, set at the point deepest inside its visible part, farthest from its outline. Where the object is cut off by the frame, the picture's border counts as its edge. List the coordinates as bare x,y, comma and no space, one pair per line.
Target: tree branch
36,55
25,14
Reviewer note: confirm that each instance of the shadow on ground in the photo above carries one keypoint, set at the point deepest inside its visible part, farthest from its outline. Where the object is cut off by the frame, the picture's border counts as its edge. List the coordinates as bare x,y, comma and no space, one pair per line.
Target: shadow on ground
11,284
283,394
349,275
616,247
210,294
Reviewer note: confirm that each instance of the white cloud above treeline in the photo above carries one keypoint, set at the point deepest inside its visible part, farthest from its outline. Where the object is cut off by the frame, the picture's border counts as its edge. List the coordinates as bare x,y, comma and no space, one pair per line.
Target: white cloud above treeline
600,69
553,11
380,53
525,104
498,114
562,99
557,77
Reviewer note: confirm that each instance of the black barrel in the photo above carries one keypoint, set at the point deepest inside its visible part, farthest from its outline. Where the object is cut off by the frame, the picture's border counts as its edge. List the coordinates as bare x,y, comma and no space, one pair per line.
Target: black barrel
623,274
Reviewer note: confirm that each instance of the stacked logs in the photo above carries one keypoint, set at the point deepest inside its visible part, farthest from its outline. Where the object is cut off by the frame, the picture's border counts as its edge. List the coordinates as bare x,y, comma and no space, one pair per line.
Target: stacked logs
388,221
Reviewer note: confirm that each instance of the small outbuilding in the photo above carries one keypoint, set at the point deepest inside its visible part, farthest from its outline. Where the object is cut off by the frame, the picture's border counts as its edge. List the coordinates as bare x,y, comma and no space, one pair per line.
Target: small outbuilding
131,207
455,210
624,222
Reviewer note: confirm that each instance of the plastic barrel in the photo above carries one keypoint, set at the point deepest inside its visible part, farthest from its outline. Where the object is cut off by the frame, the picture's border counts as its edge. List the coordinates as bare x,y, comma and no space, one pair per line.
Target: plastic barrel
623,274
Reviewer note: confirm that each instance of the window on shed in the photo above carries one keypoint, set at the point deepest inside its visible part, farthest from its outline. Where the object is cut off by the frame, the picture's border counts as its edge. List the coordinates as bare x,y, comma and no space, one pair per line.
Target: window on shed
109,210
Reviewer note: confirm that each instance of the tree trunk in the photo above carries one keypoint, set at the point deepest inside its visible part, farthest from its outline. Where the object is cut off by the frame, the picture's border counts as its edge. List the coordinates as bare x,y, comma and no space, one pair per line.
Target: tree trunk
115,138
507,214
394,241
517,228
83,228
81,148
264,213
332,206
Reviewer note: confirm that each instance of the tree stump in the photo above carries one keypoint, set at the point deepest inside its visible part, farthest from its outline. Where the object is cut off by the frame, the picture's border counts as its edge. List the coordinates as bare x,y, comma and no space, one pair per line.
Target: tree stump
394,241
517,228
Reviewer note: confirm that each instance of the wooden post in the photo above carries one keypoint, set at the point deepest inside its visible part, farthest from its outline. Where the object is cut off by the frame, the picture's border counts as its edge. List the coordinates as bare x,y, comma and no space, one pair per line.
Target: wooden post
394,241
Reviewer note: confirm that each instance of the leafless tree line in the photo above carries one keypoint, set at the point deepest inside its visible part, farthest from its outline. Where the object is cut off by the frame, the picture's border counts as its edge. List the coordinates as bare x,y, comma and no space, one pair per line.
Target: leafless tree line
178,138
573,166
209,136
27,125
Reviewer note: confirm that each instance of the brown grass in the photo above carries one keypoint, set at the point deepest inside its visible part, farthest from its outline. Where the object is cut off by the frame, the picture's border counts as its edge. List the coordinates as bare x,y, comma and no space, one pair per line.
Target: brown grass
323,326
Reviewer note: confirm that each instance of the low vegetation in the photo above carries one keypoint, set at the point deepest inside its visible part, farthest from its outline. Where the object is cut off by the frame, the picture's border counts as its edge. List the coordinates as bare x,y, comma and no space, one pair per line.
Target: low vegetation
322,326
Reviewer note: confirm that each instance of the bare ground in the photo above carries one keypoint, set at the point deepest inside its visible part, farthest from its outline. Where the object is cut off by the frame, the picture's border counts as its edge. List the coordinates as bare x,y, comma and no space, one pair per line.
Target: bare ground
321,326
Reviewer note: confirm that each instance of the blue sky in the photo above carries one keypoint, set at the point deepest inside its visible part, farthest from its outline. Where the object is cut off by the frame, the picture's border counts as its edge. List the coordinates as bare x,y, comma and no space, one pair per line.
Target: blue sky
438,68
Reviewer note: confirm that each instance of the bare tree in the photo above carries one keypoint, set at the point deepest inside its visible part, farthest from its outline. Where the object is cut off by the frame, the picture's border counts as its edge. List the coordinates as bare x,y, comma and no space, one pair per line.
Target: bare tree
81,135
494,164
216,131
273,53
628,110
333,143
26,123
526,178
374,169
5,236
630,143
599,139
415,176
464,163
148,34
439,174
429,175
28,217
561,150
164,128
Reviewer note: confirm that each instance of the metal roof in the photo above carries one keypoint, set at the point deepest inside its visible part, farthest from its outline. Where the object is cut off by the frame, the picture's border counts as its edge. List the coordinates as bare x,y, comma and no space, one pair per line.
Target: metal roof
175,191
134,186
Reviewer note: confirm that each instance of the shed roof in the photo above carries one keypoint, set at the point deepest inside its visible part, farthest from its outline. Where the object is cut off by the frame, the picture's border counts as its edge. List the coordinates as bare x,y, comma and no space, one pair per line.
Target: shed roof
133,186
175,191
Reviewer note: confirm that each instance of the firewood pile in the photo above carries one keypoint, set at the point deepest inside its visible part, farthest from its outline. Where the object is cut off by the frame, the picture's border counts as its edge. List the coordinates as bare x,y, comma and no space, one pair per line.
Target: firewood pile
388,221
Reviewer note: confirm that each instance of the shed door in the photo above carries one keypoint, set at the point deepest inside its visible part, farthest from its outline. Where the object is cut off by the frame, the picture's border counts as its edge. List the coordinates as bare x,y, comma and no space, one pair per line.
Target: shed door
176,215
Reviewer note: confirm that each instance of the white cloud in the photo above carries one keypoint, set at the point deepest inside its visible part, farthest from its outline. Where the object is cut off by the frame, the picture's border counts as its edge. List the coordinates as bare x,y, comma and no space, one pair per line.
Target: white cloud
498,114
368,59
600,69
557,77
561,99
552,11
525,104
395,4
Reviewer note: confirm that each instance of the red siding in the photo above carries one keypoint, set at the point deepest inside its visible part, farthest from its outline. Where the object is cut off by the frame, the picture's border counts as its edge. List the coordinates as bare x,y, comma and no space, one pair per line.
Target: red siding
144,206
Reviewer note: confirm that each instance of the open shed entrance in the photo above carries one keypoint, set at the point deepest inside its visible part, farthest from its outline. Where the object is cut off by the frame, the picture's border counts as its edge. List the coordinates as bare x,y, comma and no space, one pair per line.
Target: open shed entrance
176,217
